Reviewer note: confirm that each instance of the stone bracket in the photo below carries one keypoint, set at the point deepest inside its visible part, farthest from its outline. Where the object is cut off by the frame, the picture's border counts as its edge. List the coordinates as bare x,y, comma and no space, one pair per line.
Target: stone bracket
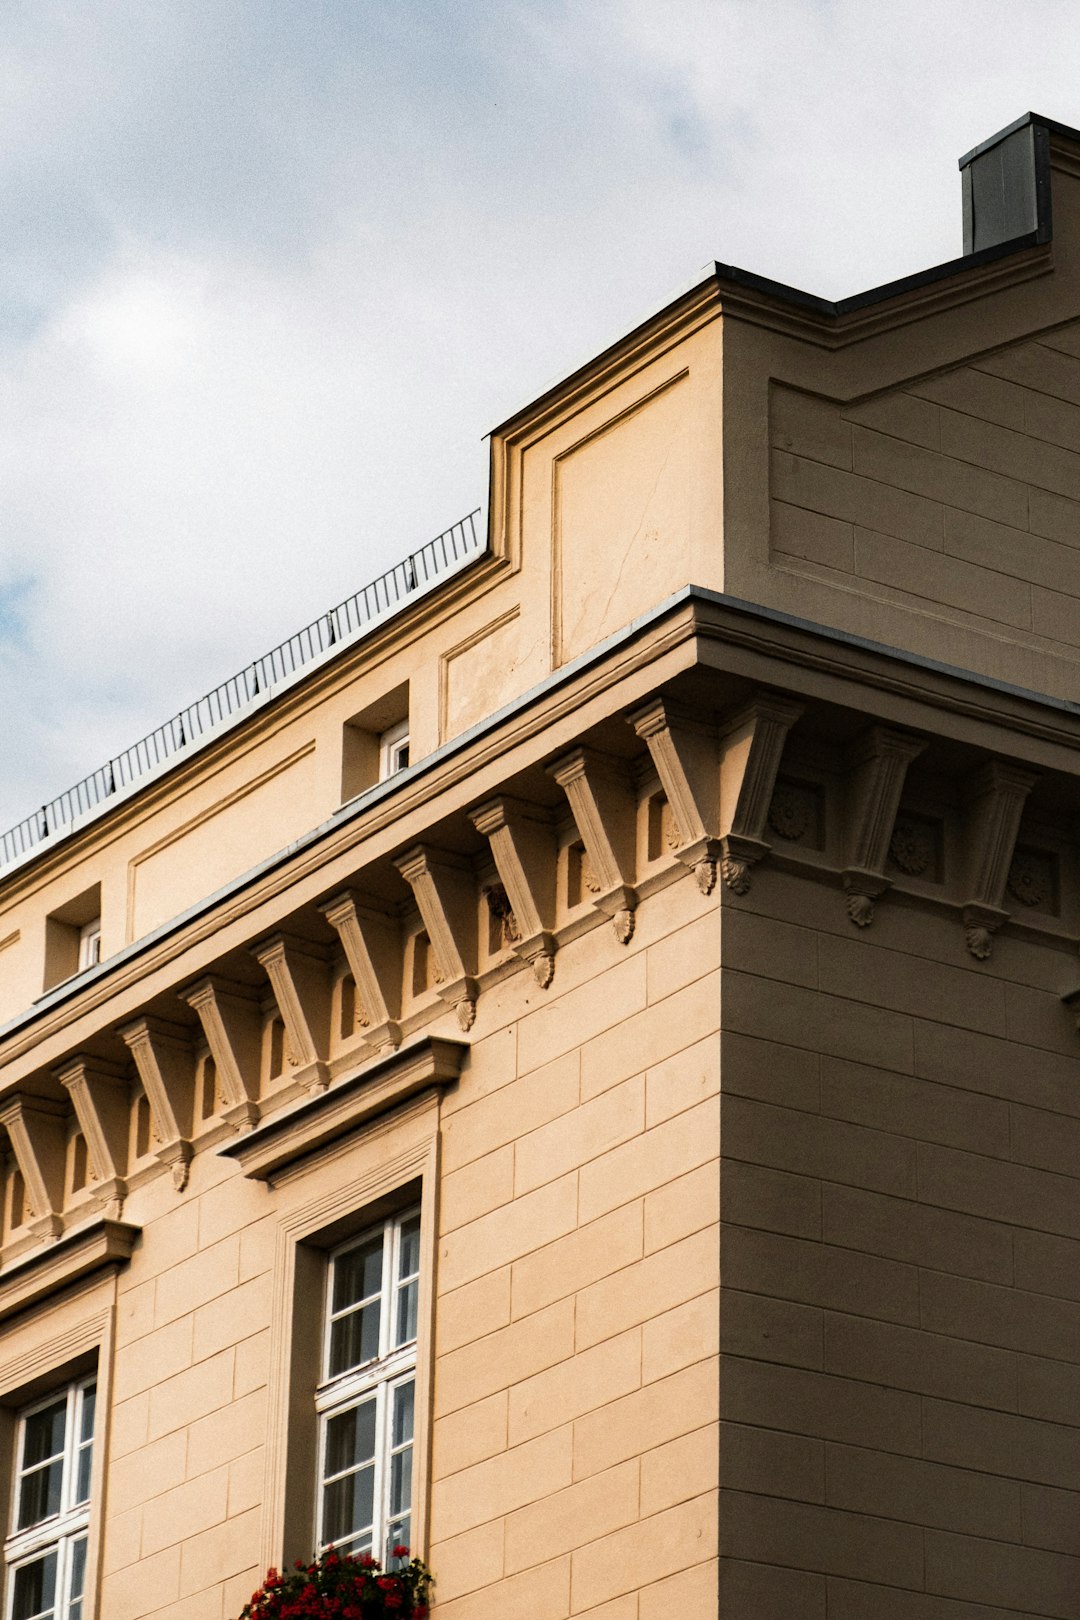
229,1014
685,754
878,765
298,976
371,940
522,841
998,793
445,894
164,1059
100,1096
751,748
605,810
38,1134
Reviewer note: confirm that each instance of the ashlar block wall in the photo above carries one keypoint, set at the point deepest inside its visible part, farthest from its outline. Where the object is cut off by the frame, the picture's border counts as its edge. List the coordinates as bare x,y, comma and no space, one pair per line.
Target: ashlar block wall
901,1267
573,1419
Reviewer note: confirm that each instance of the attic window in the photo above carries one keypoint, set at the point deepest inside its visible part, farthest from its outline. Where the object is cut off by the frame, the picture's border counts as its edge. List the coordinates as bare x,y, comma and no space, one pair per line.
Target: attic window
73,937
375,743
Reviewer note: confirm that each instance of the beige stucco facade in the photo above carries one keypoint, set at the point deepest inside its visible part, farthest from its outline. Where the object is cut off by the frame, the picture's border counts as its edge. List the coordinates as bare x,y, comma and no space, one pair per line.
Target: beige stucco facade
741,820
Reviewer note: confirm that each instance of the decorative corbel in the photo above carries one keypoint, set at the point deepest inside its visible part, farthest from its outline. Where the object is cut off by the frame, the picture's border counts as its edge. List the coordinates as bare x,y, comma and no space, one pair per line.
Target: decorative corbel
100,1096
38,1136
751,746
163,1057
229,1014
371,940
878,764
685,753
604,808
297,972
998,793
522,840
446,898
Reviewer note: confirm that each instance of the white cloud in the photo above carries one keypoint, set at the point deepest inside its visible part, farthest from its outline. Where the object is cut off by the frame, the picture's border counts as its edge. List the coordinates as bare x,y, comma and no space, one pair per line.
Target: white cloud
270,272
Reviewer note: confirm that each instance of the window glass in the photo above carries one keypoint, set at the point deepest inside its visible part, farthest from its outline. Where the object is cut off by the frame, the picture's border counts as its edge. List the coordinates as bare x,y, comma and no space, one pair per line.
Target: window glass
42,1472
78,1579
408,1290
357,1307
367,1402
350,1475
46,1550
35,1588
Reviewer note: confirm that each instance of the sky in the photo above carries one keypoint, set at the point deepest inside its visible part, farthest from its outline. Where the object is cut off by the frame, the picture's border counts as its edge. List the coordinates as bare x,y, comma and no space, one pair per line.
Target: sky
271,269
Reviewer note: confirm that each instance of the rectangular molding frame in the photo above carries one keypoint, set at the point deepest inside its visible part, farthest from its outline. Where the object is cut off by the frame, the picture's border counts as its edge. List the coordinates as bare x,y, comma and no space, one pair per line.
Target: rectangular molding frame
398,1150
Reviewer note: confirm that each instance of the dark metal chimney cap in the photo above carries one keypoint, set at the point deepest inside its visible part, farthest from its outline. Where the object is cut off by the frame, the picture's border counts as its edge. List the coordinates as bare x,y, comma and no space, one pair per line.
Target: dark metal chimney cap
1006,182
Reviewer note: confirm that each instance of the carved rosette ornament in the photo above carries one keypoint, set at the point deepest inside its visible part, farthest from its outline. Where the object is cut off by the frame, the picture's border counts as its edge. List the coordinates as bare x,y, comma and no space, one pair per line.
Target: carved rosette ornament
1031,879
790,812
912,846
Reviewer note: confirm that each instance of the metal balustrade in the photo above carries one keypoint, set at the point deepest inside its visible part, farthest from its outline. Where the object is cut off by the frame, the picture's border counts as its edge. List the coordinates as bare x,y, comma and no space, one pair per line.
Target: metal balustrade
256,683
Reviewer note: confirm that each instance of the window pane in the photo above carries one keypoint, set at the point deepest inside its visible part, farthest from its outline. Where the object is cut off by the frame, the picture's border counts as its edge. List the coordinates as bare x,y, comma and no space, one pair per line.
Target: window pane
89,1401
348,1505
401,1480
407,1303
35,1589
404,1403
77,1579
350,1439
358,1274
45,1434
397,1535
409,1261
82,1483
354,1339
39,1494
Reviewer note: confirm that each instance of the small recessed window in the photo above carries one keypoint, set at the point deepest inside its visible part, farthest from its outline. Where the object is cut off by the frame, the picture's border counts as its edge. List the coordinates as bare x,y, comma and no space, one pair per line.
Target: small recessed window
394,750
89,944
73,937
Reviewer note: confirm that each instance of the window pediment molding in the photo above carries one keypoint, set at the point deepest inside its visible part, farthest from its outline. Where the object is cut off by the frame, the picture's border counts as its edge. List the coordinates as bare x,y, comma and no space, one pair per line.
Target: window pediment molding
76,1255
348,1106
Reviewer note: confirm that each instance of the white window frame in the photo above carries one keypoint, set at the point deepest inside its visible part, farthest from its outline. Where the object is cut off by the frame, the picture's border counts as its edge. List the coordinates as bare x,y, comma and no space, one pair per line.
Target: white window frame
61,1531
393,743
89,945
381,1376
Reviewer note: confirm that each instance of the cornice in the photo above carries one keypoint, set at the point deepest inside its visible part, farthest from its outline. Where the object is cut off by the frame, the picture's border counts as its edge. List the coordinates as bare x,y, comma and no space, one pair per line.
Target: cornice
693,627
348,1106
69,1259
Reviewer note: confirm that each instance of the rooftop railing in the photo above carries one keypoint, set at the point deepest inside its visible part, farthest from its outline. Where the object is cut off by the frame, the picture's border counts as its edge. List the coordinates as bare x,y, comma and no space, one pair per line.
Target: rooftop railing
255,684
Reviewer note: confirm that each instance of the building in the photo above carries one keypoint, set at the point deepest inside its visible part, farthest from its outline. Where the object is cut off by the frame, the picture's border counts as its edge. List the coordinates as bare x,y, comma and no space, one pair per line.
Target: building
372,1031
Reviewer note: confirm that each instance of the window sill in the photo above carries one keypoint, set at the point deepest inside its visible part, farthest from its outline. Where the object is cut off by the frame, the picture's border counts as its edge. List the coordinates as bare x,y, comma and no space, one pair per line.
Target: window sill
318,1121
68,1259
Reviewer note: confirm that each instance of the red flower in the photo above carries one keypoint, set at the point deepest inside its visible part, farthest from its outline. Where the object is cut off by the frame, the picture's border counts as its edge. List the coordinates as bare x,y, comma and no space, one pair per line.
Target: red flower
400,1551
